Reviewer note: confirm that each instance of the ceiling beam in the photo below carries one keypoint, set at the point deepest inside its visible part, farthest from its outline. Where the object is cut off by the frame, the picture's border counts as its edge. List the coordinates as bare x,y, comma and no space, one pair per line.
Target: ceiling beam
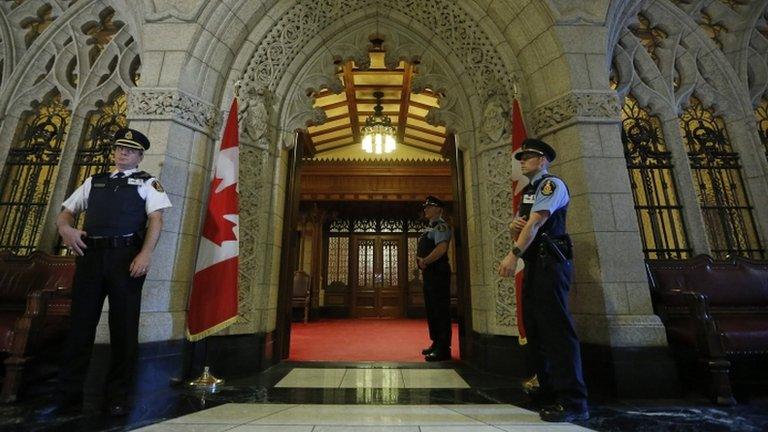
427,131
378,86
424,140
349,88
335,146
405,97
318,142
320,132
334,105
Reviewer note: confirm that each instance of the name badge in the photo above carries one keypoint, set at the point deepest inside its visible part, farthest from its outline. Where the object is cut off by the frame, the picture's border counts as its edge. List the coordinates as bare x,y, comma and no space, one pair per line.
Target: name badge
135,181
529,199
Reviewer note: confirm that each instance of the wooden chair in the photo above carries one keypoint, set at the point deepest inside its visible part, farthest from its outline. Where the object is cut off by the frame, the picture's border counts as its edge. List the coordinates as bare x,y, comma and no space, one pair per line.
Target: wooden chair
35,294
300,295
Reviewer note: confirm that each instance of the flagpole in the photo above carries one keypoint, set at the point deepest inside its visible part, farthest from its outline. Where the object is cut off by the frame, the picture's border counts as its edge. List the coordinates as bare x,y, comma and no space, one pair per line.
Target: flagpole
207,381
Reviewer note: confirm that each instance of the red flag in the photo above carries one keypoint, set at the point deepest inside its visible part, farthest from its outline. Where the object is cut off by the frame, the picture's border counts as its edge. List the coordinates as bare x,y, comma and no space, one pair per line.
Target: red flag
213,301
519,181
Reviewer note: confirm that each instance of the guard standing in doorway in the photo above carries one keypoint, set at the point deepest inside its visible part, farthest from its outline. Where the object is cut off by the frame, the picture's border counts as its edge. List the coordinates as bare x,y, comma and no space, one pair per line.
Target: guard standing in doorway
546,249
123,219
432,259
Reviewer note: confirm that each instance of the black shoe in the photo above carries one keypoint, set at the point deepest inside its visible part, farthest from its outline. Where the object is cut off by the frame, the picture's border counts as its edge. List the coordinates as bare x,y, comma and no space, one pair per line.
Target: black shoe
117,410
541,399
438,355
559,414
61,408
428,350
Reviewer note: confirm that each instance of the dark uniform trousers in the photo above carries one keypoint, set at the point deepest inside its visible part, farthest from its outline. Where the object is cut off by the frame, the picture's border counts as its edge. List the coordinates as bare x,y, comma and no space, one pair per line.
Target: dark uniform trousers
553,344
437,302
100,273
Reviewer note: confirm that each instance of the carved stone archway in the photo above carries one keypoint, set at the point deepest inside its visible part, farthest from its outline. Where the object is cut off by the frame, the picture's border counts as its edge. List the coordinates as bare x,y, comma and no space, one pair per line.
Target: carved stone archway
296,56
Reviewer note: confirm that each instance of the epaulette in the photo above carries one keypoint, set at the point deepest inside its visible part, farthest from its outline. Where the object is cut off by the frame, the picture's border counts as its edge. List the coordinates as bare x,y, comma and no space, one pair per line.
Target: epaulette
143,175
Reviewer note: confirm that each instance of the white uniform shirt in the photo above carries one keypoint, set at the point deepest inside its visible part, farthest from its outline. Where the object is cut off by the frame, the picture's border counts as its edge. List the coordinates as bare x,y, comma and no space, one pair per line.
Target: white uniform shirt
154,199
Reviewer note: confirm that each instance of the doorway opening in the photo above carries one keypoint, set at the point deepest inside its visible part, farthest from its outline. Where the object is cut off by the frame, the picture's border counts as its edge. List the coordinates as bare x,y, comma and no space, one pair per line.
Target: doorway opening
353,217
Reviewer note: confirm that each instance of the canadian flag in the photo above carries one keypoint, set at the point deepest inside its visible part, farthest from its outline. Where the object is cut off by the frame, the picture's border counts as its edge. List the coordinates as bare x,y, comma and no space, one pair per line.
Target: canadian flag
213,301
519,182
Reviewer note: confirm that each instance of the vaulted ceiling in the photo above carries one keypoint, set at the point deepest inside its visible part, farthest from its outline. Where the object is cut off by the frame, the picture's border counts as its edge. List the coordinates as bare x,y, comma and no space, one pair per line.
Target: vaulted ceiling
348,110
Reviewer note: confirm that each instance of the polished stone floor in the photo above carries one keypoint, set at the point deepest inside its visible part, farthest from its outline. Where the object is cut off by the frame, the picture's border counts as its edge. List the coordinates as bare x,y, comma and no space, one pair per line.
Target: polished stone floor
374,397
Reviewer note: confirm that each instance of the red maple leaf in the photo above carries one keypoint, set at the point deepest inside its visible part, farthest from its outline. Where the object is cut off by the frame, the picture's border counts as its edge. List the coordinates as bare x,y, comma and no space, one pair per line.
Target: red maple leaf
225,202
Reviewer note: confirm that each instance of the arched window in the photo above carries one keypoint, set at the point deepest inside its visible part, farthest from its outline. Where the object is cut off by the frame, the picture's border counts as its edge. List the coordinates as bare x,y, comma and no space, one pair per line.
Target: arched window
30,173
94,153
761,112
719,186
651,176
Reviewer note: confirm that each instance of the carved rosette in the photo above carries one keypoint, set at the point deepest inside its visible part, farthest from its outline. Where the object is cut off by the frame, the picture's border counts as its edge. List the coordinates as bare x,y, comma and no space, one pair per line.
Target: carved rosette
165,104
576,106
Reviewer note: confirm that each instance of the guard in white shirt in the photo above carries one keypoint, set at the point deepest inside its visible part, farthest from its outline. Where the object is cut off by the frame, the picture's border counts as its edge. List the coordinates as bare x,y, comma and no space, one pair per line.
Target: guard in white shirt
123,218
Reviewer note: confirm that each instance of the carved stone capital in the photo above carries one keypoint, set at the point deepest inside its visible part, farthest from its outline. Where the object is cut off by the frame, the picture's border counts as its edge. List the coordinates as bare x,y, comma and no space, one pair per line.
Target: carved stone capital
574,107
172,104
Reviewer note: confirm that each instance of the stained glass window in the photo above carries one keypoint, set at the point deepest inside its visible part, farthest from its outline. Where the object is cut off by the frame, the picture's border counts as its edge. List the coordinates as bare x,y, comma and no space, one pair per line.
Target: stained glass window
339,226
364,225
651,176
338,260
719,185
30,173
390,265
365,263
94,154
761,112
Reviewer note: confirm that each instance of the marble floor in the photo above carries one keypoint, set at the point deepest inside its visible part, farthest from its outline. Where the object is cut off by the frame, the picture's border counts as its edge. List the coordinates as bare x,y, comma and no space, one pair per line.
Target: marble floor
378,397
361,418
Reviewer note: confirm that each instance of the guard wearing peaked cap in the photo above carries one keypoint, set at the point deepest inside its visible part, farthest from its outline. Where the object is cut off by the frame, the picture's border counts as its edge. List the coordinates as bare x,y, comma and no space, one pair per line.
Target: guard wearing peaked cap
541,240
123,218
131,138
432,259
433,202
534,146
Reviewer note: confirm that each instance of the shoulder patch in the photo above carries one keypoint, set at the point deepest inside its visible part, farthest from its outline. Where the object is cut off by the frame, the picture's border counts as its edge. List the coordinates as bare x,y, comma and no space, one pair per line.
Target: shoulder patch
158,187
442,227
548,188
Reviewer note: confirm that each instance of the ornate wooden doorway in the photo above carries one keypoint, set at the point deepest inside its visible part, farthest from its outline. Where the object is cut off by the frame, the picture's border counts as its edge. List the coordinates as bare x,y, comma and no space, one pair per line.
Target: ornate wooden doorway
378,267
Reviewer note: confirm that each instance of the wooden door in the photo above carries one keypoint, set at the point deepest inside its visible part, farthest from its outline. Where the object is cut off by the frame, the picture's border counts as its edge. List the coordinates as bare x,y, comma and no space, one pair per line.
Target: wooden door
377,269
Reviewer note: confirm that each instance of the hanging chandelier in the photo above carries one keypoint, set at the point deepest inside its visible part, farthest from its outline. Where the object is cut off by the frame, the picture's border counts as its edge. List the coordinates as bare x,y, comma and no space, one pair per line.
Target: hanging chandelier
378,132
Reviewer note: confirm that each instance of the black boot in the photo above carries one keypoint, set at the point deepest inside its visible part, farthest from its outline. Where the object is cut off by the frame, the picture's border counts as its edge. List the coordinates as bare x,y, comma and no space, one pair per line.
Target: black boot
438,354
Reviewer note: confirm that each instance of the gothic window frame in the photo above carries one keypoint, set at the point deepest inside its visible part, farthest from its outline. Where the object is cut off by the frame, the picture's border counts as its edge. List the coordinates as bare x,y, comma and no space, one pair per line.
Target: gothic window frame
654,189
33,159
728,216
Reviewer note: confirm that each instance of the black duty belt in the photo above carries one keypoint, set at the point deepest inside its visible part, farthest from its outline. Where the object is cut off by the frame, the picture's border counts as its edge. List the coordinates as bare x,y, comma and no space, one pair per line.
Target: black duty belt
112,242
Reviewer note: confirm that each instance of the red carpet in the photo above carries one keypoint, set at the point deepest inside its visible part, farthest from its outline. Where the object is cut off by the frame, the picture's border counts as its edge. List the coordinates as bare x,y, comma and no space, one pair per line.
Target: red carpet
399,340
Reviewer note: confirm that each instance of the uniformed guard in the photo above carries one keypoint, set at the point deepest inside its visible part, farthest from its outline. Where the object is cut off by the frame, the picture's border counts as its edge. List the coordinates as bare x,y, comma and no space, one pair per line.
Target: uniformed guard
545,247
123,218
432,259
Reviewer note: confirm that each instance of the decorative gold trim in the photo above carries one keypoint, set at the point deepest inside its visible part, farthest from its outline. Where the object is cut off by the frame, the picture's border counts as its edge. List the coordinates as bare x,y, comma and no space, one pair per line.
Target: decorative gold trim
205,333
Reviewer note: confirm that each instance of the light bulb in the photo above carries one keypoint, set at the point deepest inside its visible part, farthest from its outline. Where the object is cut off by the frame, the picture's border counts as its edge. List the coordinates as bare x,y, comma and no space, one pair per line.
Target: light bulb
368,143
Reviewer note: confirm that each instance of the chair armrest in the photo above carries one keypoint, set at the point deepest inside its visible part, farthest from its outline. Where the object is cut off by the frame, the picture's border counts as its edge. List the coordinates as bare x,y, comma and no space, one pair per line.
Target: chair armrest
40,304
697,305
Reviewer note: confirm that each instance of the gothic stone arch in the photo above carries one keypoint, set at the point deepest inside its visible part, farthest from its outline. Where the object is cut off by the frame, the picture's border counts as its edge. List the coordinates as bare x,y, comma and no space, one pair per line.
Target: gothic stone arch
296,54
